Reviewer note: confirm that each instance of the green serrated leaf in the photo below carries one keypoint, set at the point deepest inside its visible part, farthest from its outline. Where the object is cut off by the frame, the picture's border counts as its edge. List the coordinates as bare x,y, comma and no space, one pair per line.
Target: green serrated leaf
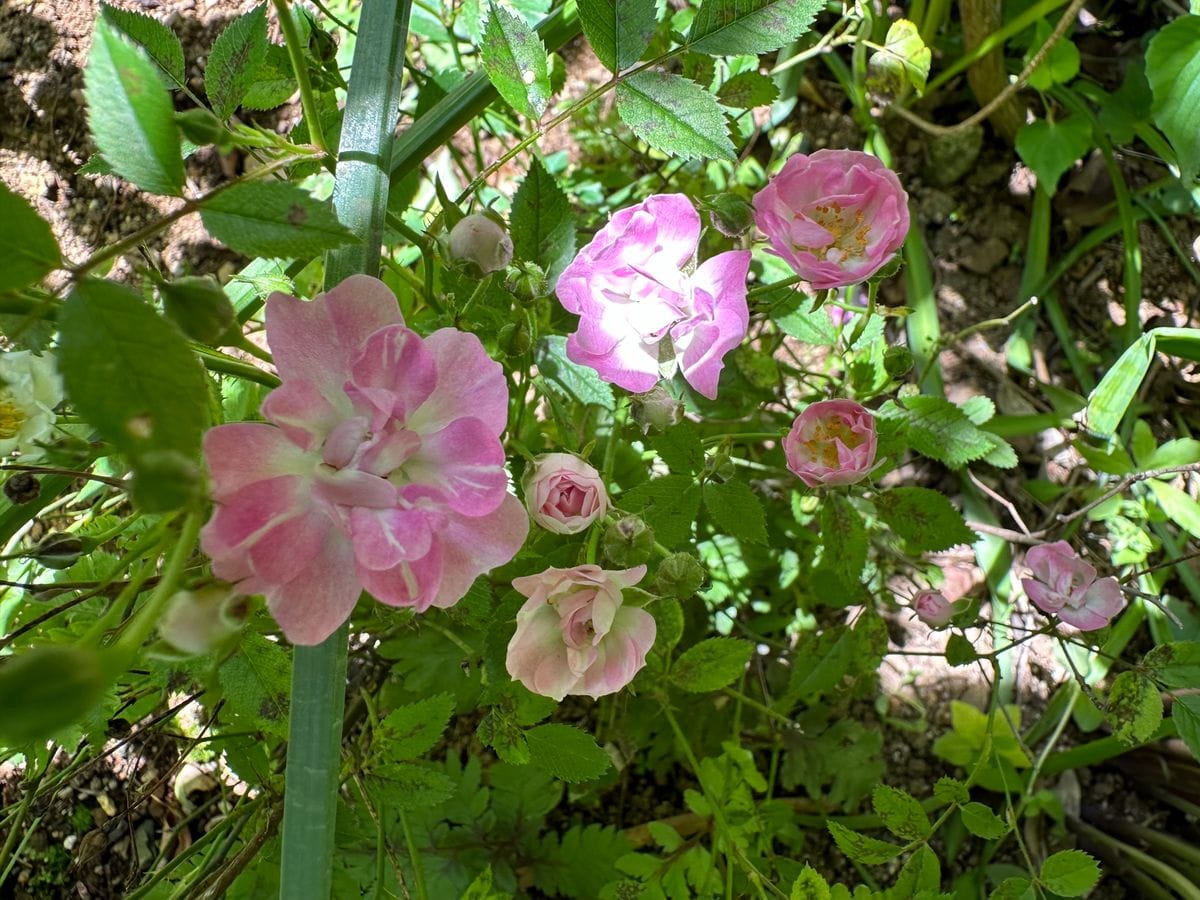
515,61
1185,713
668,505
29,245
937,428
982,822
904,60
273,83
543,227
159,41
1175,664
726,27
130,114
860,847
809,885
571,380
675,115
130,372
1050,148
711,664
567,753
582,863
1014,888
235,60
796,318
843,540
257,684
1173,70
1135,708
747,90
618,30
920,877
736,510
273,218
924,518
411,731
681,449
408,786
951,790
900,812
1070,873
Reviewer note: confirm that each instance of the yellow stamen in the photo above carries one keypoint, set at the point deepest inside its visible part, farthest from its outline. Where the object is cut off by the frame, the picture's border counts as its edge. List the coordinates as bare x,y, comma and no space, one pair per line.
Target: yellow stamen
11,417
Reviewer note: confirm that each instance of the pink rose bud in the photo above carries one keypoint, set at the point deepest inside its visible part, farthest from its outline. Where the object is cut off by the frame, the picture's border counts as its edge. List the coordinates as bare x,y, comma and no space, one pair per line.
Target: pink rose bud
832,442
481,240
933,608
836,216
563,493
575,636
1064,585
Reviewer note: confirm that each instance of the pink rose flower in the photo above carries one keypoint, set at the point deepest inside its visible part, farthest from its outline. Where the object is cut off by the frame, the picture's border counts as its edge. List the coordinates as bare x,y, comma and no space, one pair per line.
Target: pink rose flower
563,493
574,636
933,608
638,306
832,442
836,216
382,468
1064,585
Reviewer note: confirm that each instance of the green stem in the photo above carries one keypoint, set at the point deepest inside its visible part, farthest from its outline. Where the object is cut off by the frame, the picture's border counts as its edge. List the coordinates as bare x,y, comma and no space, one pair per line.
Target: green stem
147,617
415,856
308,100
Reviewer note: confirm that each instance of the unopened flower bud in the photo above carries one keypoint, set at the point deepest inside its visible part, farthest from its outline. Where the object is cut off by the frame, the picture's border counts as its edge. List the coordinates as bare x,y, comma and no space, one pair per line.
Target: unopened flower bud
897,361
200,308
22,488
656,410
679,575
514,338
201,127
480,240
731,214
628,541
528,284
61,551
933,608
322,45
197,621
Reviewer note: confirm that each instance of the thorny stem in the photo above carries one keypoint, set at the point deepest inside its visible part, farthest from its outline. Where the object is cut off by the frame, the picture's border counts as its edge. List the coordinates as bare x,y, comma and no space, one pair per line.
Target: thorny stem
308,101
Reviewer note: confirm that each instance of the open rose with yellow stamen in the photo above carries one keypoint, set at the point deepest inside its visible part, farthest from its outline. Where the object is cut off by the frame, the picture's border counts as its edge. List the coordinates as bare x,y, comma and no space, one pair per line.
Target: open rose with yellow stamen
836,216
832,442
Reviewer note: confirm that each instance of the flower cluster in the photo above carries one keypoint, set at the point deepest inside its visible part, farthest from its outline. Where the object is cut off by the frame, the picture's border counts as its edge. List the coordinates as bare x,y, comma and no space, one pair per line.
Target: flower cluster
382,468
1064,585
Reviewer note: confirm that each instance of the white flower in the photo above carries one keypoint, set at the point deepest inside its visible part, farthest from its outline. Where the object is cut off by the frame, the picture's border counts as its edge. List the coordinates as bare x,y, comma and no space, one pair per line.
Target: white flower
30,388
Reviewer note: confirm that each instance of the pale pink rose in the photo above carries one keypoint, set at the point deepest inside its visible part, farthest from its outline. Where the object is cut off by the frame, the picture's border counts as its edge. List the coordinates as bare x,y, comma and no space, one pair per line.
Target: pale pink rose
382,469
832,442
638,307
836,216
563,493
575,636
933,608
1064,585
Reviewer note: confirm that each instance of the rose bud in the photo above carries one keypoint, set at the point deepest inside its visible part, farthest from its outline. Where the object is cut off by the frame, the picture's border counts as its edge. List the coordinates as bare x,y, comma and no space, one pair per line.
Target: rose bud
832,442
628,541
197,621
933,608
480,240
679,575
563,493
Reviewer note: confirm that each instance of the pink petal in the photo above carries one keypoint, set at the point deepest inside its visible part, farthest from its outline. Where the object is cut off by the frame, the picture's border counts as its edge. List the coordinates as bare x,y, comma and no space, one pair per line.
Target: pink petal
241,454
302,412
537,656
291,545
318,340
397,361
723,278
412,583
469,382
312,606
384,538
473,546
252,512
622,654
464,462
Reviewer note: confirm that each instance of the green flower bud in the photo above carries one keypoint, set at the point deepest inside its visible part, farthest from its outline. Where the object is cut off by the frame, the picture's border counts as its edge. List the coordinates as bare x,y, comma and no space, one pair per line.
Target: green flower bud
322,45
628,542
201,127
679,575
528,284
200,308
514,338
61,551
480,240
656,410
897,361
197,621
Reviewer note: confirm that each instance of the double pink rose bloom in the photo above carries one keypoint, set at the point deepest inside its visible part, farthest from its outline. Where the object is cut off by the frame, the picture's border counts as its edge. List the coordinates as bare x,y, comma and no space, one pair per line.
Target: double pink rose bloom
382,468
563,493
641,308
575,635
832,442
836,216
1064,585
